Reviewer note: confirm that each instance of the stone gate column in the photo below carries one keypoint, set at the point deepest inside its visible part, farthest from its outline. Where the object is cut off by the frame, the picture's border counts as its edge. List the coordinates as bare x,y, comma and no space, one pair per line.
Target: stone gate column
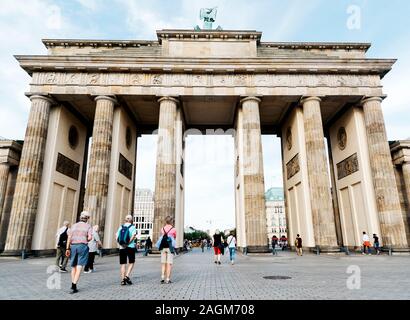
24,209
318,175
387,197
165,174
4,174
100,156
253,179
406,176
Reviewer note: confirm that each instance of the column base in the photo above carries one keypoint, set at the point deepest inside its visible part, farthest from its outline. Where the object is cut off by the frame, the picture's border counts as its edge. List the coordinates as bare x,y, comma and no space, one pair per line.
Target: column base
396,250
326,249
257,249
29,253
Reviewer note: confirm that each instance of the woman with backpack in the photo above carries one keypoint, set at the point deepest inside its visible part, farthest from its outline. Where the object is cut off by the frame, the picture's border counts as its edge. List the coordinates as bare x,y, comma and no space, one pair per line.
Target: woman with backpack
166,244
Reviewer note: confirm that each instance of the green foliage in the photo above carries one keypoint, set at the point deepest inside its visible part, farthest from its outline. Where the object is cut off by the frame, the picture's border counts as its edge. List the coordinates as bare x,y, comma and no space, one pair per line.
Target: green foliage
197,235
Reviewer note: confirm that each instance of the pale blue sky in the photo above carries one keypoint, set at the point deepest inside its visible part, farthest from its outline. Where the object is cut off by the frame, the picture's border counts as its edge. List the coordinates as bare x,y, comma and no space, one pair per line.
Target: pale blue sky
384,23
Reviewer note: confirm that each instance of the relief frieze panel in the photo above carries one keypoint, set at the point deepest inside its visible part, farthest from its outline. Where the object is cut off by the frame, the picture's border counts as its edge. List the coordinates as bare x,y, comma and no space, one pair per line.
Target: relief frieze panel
67,167
125,167
347,167
203,80
293,166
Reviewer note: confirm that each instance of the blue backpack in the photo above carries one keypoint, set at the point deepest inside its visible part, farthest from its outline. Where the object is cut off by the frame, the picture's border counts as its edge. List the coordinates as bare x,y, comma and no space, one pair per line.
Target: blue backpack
124,236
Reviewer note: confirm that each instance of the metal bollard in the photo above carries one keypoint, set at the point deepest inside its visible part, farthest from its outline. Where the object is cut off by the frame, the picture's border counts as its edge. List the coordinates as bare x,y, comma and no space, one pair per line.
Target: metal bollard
390,251
317,250
23,255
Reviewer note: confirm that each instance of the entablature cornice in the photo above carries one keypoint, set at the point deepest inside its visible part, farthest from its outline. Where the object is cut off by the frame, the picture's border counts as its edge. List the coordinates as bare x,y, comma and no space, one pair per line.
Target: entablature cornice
200,65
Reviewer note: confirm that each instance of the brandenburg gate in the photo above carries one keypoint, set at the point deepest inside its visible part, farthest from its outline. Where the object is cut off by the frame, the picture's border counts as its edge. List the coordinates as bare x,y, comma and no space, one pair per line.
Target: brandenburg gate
323,99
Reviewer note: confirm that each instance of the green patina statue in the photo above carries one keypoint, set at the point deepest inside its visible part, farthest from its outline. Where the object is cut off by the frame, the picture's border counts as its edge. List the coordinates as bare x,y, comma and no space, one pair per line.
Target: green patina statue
208,15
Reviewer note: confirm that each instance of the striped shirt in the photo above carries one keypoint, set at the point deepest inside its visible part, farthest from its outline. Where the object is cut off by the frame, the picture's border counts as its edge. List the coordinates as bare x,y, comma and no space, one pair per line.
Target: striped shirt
80,233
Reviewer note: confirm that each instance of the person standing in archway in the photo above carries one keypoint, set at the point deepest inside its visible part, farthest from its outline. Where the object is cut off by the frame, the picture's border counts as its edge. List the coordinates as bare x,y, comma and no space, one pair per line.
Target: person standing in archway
274,244
148,246
218,246
166,245
298,245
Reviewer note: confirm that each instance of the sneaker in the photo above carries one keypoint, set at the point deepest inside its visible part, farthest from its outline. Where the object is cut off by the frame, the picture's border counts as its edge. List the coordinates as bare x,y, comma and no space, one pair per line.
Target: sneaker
128,280
168,281
215,262
162,281
63,270
73,291
232,262
219,262
123,282
87,271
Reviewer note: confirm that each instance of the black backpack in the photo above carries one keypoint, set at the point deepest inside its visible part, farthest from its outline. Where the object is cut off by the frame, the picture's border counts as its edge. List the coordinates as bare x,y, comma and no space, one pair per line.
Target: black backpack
164,241
62,239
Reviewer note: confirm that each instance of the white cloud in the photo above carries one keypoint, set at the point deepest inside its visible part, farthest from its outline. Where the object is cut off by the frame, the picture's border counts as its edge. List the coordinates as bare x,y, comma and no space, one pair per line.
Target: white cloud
89,4
143,19
22,25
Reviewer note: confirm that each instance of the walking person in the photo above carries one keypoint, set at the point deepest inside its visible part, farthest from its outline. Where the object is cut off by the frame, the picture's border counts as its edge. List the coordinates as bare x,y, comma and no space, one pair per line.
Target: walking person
166,245
77,247
218,246
93,246
298,245
274,244
232,247
203,244
148,246
126,236
366,243
376,243
61,244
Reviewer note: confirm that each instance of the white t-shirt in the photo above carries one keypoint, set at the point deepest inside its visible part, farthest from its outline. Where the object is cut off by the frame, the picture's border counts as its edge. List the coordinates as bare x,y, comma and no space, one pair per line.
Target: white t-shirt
366,238
231,241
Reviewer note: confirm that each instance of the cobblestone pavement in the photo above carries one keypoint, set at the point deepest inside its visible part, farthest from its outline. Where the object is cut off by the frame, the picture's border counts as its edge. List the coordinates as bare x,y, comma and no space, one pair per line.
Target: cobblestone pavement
195,276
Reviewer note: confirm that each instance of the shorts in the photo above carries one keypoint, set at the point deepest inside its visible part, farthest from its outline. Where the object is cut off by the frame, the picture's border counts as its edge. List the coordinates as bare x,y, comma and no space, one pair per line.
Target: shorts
127,253
167,256
79,254
217,250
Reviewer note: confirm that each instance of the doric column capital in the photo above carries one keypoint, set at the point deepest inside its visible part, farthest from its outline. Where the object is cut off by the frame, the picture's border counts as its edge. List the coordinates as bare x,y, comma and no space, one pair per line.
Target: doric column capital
168,98
41,96
250,98
370,99
310,98
111,98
